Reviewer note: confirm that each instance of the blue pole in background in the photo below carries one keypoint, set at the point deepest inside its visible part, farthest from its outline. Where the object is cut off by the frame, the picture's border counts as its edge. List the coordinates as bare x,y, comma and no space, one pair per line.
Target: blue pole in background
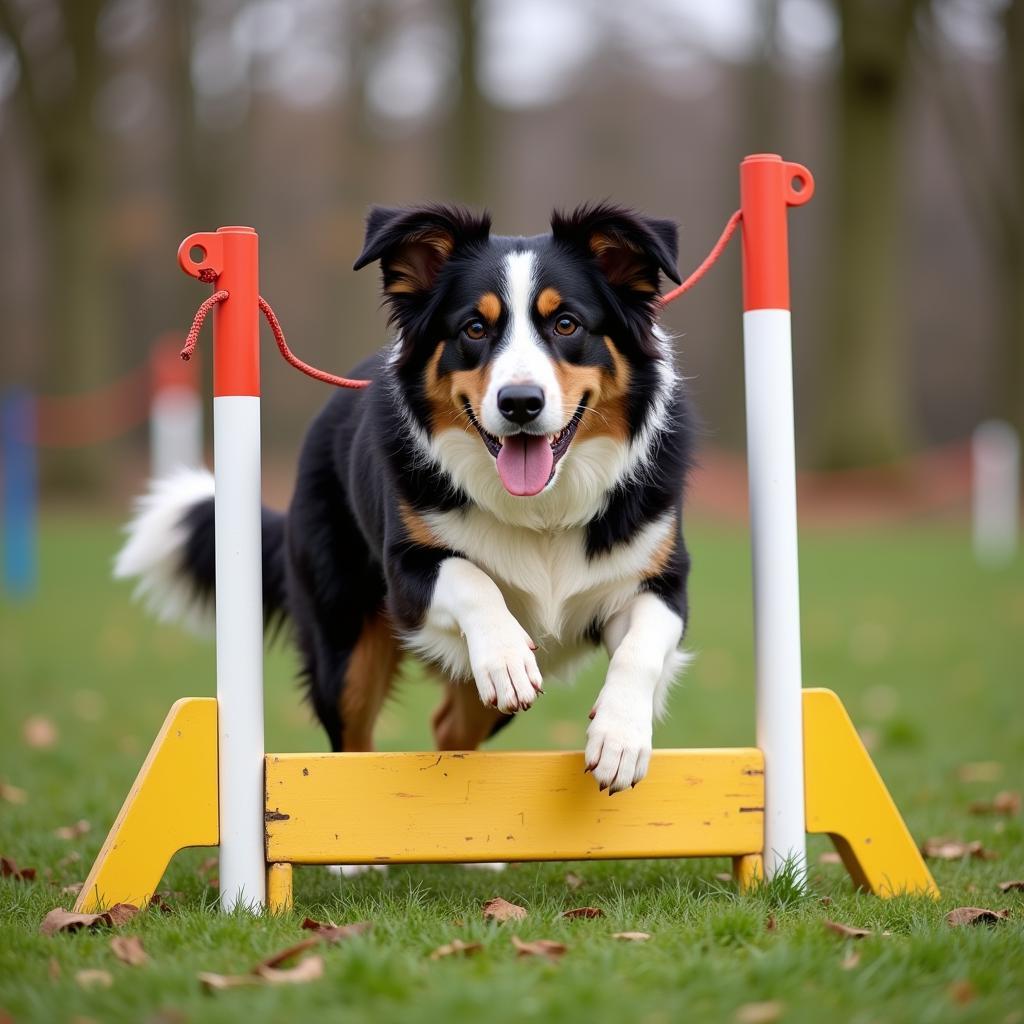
18,451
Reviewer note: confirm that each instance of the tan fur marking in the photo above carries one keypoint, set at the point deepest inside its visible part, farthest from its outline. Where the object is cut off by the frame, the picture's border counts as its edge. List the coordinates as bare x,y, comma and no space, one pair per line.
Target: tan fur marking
416,528
606,409
445,394
490,307
368,677
660,559
548,301
462,722
622,262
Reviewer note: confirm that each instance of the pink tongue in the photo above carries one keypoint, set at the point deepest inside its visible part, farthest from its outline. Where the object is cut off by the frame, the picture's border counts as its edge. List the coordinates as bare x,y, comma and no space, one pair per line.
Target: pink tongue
524,464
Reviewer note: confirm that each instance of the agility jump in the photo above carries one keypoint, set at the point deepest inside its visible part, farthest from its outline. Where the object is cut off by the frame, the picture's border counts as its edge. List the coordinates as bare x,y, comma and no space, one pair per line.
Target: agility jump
208,782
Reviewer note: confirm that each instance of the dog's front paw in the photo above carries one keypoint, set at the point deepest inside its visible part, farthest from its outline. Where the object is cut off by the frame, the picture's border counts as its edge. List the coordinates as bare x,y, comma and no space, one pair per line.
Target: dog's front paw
504,666
618,741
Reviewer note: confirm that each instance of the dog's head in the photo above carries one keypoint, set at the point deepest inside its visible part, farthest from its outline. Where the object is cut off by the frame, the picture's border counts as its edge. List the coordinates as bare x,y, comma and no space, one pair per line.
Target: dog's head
527,347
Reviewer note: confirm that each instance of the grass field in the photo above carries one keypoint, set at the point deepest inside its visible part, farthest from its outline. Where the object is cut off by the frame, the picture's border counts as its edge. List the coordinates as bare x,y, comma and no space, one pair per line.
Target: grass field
926,650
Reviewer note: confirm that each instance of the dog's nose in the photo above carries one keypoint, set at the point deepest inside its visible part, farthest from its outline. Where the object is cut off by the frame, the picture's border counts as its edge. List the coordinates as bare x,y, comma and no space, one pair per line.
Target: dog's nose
520,403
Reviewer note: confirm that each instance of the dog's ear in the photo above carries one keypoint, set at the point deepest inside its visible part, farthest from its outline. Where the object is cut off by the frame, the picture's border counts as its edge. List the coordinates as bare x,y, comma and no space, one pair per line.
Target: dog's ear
413,244
629,249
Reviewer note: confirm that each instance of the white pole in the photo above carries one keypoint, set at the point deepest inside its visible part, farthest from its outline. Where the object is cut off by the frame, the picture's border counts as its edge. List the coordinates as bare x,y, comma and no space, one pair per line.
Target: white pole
995,492
175,431
239,601
771,459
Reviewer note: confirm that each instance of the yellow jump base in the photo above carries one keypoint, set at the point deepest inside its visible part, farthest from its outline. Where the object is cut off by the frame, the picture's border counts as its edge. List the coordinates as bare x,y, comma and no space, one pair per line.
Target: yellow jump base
488,806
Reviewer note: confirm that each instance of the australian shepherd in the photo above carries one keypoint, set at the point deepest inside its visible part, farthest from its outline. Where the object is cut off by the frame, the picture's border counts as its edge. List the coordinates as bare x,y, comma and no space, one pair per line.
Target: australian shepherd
504,498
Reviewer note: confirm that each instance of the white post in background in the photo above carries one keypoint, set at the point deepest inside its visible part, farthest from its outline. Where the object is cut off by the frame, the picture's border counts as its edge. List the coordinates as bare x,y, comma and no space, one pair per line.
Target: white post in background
175,413
768,187
995,492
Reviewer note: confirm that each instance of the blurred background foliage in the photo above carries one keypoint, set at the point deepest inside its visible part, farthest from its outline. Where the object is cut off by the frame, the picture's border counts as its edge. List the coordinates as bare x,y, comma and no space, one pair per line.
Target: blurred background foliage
127,124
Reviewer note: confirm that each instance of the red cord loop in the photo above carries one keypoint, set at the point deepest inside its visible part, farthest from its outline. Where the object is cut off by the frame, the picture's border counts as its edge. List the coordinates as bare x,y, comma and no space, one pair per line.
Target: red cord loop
192,338
709,261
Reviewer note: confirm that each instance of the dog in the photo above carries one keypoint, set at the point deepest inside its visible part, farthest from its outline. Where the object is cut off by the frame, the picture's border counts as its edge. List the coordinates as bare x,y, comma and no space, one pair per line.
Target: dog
505,497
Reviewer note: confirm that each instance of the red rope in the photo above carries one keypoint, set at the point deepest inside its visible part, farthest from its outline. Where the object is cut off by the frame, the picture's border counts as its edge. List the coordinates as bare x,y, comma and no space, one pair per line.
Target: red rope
192,338
709,260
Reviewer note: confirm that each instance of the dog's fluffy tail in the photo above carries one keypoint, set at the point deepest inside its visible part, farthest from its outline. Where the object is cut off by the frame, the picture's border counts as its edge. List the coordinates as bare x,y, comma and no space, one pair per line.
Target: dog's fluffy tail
170,551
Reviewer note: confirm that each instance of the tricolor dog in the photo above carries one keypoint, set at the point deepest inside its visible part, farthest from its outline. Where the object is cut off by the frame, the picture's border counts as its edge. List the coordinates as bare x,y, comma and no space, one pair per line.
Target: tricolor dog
506,495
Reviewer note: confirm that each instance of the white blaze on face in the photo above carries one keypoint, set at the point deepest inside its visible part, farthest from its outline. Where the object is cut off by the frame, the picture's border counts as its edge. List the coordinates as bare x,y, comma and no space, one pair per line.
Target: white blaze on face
522,357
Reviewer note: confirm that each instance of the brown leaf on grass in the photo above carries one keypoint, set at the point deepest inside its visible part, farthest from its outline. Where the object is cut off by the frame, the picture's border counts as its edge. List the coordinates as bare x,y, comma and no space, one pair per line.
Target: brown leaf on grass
547,948
847,931
53,969
759,1013
330,932
456,948
939,848
80,828
829,857
9,869
39,732
850,961
161,901
93,978
1006,802
73,889
128,949
1014,885
61,920
71,857
631,936
309,969
578,912
980,771
962,992
218,982
12,794
288,953
975,915
772,924
573,881
500,910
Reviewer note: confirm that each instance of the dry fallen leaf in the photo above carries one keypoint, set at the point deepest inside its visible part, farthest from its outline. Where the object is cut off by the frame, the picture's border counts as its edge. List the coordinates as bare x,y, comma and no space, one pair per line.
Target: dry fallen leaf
540,947
1014,885
772,924
631,936
759,1013
286,954
573,881
128,949
850,961
309,969
456,948
53,969
79,828
499,910
91,978
962,992
939,848
9,869
847,931
577,912
975,915
12,794
330,932
1006,802
61,920
829,857
73,889
980,771
723,876
39,732
218,982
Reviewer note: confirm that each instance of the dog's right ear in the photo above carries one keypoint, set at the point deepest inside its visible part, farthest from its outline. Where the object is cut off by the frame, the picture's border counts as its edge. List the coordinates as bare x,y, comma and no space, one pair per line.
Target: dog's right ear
413,244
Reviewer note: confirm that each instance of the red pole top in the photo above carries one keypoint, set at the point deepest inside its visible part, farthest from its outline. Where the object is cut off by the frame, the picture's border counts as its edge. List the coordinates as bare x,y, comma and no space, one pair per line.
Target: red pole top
769,185
168,370
229,258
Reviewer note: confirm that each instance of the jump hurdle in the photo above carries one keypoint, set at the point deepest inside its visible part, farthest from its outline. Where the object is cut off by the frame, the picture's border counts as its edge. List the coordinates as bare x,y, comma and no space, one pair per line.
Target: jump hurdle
208,782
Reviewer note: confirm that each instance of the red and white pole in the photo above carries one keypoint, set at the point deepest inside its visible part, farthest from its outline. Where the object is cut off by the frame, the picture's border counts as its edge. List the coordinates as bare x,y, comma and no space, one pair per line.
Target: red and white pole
230,256
768,187
175,411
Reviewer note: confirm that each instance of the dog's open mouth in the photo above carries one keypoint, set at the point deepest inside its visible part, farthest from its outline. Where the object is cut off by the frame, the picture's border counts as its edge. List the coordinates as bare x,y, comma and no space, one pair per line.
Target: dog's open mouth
526,462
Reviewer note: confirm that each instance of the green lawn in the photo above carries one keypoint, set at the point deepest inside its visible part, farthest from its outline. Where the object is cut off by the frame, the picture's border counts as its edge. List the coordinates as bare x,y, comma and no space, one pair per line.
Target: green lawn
925,649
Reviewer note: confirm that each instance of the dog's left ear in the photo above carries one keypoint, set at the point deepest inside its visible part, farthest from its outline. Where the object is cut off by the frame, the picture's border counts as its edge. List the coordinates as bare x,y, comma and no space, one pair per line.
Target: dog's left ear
630,249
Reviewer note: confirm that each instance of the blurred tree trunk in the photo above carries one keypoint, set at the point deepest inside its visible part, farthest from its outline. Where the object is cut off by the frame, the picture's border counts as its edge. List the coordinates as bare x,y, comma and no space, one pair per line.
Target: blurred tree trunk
468,167
863,415
59,80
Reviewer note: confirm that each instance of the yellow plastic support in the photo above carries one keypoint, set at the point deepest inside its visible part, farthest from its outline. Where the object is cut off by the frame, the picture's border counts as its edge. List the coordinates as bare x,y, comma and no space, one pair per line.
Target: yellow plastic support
172,805
382,808
279,888
846,798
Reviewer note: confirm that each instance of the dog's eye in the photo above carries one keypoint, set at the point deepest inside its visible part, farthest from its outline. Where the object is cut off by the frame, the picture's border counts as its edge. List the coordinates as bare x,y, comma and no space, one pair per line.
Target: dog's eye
565,325
475,330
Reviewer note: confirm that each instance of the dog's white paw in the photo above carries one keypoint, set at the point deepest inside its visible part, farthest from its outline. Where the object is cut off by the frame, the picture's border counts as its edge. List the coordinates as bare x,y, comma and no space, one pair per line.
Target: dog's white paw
353,870
504,667
619,741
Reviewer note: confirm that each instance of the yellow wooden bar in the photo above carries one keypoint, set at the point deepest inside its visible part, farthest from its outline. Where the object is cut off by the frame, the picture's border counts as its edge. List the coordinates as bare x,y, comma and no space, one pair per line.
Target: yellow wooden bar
172,804
483,806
